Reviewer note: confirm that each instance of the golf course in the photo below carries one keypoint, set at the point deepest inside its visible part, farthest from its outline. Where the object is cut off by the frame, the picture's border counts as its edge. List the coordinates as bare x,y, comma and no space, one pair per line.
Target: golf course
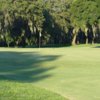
66,73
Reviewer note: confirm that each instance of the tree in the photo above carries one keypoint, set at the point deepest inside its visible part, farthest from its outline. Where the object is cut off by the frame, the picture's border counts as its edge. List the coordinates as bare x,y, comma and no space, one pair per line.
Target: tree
83,12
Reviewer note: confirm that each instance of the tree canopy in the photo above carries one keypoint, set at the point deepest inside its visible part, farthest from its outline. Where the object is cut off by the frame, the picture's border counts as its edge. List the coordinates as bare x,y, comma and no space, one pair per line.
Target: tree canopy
24,22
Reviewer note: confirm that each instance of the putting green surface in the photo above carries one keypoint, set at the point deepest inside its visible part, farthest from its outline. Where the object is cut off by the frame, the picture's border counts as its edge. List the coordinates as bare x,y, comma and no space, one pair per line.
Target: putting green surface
72,72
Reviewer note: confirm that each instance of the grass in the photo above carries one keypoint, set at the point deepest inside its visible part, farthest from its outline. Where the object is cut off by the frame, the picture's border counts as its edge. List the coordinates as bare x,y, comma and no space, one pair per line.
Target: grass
19,91
50,73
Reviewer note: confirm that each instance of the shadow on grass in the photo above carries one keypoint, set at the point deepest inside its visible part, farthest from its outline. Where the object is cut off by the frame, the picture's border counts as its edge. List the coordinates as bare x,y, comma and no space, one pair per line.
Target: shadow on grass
97,47
25,67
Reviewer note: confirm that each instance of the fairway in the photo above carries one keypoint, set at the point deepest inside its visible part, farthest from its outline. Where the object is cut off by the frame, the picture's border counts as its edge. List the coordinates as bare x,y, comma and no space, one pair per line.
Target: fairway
67,73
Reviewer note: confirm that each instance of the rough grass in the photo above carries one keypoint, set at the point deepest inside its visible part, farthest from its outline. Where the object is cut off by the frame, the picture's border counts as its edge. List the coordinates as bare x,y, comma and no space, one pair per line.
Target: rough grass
19,91
73,72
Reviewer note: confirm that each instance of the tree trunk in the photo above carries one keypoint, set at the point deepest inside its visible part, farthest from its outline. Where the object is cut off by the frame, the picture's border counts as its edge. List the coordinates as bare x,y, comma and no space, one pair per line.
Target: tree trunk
86,40
74,40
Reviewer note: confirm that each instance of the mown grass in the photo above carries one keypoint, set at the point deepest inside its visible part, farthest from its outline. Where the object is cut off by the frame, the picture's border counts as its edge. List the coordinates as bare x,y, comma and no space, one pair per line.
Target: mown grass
72,72
19,91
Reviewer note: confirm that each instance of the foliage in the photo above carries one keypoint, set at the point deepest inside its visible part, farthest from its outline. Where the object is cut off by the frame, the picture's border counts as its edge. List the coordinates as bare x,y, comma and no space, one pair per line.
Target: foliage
23,21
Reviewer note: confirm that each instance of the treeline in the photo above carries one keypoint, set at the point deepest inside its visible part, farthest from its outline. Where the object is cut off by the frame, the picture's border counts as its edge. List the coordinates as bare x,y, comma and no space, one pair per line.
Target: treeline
56,22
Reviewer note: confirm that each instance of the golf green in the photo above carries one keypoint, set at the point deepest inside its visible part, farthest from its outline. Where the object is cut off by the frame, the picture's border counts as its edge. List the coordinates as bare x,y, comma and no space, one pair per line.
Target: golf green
71,72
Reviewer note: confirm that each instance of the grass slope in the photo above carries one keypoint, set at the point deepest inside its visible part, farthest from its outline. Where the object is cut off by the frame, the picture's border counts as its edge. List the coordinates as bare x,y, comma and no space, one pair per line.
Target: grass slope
72,72
19,91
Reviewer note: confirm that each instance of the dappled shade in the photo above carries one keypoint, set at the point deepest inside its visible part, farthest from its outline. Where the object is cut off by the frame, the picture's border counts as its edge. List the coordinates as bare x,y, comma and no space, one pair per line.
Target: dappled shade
24,66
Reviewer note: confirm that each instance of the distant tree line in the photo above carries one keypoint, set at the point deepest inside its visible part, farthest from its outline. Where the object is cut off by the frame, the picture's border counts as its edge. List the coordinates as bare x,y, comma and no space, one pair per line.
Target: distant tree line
59,22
